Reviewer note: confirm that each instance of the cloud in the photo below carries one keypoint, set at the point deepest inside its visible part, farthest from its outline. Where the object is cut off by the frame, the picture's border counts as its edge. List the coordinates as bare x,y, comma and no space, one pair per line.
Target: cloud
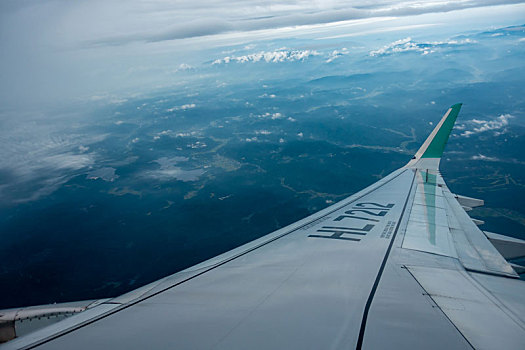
407,44
35,175
110,99
196,145
184,67
485,158
68,161
280,55
479,126
196,19
272,116
183,107
186,134
265,95
106,174
37,157
77,45
336,54
169,171
183,29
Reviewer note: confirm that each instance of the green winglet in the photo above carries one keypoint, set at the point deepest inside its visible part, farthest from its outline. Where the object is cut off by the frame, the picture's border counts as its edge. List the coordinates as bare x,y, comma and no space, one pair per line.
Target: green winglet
437,145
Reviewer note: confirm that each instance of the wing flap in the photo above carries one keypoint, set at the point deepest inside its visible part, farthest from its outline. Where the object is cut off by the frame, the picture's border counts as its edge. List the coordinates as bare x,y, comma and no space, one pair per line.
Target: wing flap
482,319
475,251
509,247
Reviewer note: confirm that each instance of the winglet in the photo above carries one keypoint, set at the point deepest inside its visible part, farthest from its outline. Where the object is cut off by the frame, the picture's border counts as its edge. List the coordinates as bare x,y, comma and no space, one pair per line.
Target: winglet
429,155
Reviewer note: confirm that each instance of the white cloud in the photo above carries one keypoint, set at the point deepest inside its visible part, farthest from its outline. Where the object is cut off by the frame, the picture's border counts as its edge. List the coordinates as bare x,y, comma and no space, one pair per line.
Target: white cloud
184,66
497,125
268,95
425,48
37,157
485,158
183,107
106,174
162,133
42,172
168,170
187,106
262,132
273,116
336,54
68,161
197,144
280,55
467,133
109,99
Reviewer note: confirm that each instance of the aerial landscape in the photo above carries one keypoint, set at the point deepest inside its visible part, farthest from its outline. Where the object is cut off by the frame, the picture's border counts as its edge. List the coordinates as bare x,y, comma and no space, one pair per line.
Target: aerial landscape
130,151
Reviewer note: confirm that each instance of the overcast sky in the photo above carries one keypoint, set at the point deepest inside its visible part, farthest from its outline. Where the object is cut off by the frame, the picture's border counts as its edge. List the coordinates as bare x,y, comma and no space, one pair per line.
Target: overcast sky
122,21
45,44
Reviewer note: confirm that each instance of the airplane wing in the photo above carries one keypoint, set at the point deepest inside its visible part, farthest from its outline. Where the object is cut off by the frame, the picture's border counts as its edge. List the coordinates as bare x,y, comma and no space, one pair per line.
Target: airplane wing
398,265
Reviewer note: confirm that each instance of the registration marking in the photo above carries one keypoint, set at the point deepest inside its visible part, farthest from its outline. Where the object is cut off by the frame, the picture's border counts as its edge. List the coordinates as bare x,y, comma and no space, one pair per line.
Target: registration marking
370,212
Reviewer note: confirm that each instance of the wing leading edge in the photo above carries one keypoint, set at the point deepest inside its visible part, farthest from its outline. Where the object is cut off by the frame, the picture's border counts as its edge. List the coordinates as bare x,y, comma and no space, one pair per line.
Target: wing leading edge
399,264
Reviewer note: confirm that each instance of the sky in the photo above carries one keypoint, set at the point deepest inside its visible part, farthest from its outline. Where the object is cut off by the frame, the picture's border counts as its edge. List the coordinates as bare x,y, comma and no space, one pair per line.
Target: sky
56,50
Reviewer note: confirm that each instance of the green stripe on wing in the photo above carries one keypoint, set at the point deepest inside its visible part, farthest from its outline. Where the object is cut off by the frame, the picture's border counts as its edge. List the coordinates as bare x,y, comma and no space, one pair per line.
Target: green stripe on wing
436,147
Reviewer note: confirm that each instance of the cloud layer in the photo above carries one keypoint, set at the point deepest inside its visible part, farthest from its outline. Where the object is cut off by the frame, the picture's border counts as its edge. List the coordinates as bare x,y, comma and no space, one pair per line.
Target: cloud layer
179,20
36,161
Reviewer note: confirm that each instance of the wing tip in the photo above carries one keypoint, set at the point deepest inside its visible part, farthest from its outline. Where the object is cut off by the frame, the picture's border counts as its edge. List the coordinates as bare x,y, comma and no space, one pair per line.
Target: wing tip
431,151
